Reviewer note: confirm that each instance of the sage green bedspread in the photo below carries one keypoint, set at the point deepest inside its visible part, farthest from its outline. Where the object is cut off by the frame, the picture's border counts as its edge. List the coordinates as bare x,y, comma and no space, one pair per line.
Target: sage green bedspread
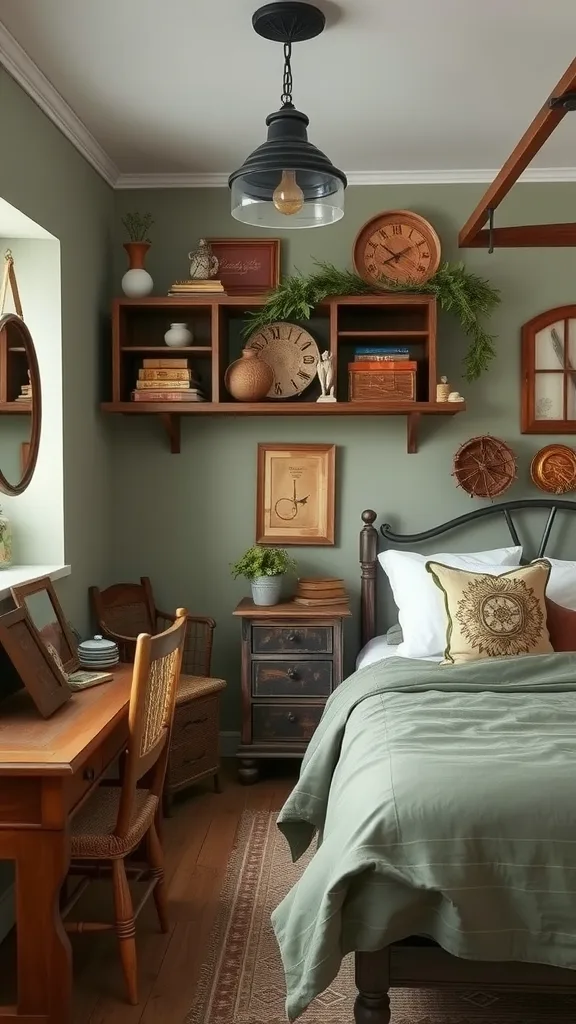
445,802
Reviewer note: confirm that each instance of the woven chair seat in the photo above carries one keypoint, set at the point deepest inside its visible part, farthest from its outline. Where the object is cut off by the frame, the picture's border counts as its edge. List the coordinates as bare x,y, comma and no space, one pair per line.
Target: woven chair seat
192,687
92,830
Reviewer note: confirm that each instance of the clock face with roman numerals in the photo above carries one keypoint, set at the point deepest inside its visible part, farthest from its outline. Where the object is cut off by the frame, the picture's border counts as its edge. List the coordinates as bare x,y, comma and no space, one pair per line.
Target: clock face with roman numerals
291,352
398,246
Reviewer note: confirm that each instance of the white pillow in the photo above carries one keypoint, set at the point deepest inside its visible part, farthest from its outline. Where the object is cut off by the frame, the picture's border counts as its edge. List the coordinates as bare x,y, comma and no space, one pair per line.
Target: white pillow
562,583
420,604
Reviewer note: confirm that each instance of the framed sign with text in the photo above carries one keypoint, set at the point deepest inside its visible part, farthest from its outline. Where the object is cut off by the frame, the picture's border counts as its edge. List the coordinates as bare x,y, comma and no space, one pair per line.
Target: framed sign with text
295,494
247,266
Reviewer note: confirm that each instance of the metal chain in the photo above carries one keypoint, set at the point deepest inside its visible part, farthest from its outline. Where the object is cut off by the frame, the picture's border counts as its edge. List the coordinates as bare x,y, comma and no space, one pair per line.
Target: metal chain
286,97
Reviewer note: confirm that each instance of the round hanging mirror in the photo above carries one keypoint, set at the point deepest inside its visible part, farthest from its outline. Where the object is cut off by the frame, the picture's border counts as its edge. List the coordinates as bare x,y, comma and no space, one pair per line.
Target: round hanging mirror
20,405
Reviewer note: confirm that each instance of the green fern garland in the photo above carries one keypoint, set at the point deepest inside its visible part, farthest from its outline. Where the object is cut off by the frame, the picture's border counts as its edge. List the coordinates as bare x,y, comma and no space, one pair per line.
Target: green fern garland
457,290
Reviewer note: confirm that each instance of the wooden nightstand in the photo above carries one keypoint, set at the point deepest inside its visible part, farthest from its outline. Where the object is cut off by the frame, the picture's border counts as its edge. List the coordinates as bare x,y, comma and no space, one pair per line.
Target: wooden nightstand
292,659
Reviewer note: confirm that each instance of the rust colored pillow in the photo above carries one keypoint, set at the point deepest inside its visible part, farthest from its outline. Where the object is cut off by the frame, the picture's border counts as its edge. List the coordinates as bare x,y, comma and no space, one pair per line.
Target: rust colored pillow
561,626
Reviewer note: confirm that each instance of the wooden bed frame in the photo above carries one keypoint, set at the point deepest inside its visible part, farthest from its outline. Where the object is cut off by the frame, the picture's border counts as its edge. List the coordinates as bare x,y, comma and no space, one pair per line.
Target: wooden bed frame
419,962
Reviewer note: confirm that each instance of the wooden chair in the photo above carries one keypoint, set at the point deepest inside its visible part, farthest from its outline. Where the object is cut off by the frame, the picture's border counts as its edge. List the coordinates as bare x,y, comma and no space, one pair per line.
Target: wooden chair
121,612
116,819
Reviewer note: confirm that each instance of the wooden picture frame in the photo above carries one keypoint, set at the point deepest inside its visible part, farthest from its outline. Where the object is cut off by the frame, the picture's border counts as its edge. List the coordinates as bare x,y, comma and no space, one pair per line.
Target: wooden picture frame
548,378
248,266
295,494
23,653
62,639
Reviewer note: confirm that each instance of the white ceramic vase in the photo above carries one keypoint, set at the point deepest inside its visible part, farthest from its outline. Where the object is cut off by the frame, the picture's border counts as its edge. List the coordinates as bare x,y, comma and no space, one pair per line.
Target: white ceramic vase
137,283
266,590
178,336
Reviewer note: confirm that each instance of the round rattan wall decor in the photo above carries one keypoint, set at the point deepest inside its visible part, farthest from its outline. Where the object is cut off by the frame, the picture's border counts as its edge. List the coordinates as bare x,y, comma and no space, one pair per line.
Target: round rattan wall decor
484,466
553,469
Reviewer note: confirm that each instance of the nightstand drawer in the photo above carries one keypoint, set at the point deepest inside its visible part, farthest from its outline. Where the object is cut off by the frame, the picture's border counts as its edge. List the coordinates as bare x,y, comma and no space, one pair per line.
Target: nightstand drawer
284,722
291,679
292,639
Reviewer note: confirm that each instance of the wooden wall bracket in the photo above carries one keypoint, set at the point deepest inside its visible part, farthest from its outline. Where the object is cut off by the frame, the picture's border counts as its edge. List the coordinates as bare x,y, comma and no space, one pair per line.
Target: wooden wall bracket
172,426
548,117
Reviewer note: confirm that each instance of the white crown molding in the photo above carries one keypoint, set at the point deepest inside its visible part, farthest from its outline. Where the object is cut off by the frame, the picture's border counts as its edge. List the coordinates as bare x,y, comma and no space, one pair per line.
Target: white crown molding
447,177
34,82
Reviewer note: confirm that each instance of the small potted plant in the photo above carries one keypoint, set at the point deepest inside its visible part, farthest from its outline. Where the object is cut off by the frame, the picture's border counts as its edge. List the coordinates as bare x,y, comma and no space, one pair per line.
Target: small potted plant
265,568
137,282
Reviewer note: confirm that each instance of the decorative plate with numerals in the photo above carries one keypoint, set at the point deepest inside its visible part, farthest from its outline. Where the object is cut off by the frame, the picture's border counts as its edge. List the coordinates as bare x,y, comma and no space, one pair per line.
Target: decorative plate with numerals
291,352
398,246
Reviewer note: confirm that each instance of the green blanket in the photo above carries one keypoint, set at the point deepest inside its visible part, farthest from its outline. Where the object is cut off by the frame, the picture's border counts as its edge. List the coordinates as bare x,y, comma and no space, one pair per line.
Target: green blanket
444,799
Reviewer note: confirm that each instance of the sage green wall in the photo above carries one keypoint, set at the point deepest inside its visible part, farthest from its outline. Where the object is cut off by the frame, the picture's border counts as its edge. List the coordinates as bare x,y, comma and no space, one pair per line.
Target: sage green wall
46,178
183,519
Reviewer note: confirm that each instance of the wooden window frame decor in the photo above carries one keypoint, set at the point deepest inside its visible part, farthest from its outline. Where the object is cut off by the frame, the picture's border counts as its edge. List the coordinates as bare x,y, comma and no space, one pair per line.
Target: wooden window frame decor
530,423
68,652
282,469
254,264
22,650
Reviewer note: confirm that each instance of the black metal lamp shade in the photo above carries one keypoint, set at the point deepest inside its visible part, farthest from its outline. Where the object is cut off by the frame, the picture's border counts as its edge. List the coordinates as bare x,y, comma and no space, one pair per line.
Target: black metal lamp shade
287,151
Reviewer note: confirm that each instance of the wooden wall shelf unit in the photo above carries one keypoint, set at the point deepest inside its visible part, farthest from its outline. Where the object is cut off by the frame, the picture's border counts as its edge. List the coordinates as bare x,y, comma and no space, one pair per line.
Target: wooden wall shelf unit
338,324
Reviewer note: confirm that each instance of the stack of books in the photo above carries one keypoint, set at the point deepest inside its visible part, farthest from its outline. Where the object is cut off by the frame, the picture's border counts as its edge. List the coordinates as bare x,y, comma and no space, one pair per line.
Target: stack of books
386,354
328,590
25,395
192,287
167,380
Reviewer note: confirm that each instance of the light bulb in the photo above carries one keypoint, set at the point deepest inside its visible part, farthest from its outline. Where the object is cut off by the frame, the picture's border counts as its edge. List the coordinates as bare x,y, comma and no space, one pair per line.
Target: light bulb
288,197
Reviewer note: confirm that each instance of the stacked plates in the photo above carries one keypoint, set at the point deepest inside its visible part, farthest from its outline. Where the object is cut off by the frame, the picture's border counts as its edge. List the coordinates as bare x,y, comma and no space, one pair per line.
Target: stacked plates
327,590
98,653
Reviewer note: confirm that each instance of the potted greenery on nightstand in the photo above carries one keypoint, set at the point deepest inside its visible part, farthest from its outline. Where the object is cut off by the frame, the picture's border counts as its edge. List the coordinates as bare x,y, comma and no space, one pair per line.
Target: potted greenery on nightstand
265,568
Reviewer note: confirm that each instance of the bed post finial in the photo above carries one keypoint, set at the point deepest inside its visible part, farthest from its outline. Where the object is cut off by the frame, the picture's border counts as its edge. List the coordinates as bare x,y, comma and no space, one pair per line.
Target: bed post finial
368,553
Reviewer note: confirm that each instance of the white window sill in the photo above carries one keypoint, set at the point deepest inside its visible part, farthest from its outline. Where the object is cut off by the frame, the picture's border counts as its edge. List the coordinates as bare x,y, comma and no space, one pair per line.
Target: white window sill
25,573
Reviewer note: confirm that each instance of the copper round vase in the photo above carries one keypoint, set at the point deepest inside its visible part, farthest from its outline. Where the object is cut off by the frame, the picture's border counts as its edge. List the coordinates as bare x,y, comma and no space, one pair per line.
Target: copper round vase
249,378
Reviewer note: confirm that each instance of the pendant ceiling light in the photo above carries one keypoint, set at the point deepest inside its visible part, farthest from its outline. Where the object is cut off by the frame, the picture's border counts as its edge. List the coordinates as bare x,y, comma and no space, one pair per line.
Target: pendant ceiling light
287,182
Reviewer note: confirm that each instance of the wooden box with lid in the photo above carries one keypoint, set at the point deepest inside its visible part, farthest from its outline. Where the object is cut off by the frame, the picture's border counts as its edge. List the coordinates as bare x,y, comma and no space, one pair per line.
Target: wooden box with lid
292,660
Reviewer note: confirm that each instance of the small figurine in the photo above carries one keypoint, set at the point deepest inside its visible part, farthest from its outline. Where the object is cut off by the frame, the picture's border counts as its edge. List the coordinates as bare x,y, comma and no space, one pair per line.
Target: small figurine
325,372
443,390
455,396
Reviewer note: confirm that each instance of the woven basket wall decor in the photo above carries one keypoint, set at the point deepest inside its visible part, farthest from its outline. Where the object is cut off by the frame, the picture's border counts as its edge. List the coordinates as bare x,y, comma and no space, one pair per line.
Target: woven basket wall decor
553,469
484,466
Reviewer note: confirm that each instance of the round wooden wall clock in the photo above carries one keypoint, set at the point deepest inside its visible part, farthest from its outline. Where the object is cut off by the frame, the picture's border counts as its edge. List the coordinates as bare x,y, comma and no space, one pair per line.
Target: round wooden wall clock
291,352
399,246
553,469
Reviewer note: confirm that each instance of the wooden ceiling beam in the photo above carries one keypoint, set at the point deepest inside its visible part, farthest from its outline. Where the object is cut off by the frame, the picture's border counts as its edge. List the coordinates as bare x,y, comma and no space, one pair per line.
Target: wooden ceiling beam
530,144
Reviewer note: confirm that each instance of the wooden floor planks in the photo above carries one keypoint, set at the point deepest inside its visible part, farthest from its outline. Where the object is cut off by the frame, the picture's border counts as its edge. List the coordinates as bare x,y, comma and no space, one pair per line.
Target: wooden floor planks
198,840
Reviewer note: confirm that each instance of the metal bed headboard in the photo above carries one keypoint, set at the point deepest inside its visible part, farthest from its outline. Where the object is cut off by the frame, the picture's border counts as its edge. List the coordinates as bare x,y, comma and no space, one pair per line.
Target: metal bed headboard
369,543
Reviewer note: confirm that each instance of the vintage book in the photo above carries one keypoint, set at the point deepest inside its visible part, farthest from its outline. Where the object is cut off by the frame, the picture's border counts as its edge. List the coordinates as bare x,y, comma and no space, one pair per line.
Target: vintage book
158,385
312,602
379,350
375,358
165,374
166,364
81,680
167,396
190,287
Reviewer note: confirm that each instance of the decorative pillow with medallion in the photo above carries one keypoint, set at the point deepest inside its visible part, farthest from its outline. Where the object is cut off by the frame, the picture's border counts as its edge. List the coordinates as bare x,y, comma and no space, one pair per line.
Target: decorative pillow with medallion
494,616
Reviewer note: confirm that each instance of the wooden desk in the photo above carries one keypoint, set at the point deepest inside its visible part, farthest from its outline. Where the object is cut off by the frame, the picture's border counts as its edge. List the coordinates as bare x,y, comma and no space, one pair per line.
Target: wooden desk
48,767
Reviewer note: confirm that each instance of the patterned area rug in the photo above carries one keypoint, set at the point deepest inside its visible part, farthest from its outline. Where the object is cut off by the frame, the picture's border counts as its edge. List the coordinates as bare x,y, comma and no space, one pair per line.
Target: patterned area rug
241,981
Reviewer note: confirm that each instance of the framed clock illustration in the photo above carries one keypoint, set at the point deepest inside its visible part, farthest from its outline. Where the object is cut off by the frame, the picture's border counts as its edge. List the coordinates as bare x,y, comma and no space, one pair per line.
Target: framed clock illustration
295,494
398,246
291,352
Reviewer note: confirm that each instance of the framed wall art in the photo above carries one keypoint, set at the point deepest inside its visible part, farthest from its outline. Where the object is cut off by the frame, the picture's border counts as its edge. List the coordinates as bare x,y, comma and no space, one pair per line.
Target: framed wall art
24,660
295,494
247,266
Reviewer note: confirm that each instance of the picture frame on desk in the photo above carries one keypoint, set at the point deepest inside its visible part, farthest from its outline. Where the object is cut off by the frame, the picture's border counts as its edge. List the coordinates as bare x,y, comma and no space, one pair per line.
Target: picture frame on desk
295,494
247,266
39,599
25,658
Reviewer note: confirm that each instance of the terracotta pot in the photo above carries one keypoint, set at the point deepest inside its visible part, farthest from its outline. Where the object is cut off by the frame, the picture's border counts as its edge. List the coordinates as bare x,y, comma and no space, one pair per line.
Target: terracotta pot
136,252
249,378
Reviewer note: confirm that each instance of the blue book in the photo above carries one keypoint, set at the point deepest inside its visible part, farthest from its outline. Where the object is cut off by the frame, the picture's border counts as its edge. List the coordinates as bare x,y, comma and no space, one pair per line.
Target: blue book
387,350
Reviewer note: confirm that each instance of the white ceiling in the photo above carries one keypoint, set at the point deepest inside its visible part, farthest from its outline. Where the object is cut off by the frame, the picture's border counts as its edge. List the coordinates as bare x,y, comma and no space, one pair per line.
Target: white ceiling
184,86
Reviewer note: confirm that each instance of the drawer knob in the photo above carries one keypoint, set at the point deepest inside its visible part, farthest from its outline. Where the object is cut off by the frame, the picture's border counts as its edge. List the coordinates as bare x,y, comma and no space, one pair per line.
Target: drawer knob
195,721
291,716
292,638
292,673
89,774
